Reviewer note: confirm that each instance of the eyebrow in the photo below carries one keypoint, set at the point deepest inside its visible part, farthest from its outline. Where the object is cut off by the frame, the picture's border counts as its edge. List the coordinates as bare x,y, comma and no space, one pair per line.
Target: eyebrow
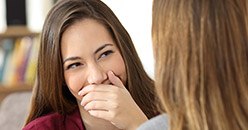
78,58
71,59
102,47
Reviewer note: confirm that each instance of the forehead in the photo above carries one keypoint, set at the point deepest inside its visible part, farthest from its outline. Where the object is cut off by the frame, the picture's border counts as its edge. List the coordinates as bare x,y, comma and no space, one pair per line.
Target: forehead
84,28
86,35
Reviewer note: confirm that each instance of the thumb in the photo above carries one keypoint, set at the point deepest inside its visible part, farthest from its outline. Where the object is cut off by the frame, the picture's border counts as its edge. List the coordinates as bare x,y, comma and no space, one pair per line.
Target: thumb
115,80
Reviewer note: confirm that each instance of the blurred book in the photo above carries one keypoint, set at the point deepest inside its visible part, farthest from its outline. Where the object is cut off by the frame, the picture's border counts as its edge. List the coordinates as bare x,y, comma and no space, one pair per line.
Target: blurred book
18,60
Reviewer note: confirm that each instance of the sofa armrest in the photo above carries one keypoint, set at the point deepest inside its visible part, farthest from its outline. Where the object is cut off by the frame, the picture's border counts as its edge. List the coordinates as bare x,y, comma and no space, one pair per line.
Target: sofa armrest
14,109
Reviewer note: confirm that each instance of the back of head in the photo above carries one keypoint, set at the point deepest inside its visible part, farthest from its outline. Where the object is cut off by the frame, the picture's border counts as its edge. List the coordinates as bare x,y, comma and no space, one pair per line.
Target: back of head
201,52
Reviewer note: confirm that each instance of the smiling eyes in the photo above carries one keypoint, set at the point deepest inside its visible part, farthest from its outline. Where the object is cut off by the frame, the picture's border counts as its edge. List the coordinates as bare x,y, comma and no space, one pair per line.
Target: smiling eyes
104,54
76,64
73,65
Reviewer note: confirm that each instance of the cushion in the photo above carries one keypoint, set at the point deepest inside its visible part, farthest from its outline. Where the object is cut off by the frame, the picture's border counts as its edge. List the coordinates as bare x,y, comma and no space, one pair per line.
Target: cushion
14,110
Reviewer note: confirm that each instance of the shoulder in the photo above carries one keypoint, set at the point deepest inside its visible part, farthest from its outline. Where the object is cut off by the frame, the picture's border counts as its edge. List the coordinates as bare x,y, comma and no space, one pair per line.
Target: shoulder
49,121
56,121
157,123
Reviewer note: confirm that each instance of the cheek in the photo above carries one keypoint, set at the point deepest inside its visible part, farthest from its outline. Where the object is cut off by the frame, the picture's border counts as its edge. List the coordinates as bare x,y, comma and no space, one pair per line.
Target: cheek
117,65
74,82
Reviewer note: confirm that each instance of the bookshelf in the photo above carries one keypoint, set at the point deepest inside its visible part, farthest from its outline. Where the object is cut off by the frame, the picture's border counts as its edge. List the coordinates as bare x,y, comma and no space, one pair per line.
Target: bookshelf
15,33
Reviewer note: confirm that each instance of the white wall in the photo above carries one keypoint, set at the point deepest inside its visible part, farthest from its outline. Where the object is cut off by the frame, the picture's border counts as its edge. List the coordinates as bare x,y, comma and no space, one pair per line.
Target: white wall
2,16
136,17
36,13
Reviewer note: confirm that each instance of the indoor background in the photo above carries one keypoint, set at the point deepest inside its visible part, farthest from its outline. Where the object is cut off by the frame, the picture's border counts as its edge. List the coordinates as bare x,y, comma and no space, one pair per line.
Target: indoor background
19,43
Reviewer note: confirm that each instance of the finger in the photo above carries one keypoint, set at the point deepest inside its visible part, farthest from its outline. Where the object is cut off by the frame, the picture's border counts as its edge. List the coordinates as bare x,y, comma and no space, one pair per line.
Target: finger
86,90
101,114
96,105
100,105
94,96
115,80
92,88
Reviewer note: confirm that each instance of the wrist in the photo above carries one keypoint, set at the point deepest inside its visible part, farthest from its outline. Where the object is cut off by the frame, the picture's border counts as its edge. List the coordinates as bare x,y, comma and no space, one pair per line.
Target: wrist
138,121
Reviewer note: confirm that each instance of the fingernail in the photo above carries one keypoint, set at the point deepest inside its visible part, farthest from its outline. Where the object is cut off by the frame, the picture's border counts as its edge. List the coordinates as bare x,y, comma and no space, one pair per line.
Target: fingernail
80,93
111,72
82,104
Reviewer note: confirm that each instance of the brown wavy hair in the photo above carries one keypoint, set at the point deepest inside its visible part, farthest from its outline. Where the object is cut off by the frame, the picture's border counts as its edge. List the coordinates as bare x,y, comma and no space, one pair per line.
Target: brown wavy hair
201,54
51,93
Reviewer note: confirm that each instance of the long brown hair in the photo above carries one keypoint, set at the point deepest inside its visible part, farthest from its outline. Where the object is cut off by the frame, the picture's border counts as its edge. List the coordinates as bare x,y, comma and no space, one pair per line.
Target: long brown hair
201,54
51,93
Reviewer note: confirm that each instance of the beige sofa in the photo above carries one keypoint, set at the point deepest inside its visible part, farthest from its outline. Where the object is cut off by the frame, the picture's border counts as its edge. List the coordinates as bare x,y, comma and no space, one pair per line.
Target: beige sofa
13,110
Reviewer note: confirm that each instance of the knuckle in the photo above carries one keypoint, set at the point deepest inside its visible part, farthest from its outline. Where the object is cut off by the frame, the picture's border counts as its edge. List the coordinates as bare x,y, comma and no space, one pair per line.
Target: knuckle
93,105
113,115
92,89
114,96
115,90
97,114
115,106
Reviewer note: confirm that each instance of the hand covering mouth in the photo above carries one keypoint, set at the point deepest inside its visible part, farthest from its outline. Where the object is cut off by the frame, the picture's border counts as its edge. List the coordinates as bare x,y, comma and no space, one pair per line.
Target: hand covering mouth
107,82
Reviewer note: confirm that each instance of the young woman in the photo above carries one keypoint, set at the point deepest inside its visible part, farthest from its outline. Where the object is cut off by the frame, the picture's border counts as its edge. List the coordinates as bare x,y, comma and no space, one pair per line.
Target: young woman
89,74
201,52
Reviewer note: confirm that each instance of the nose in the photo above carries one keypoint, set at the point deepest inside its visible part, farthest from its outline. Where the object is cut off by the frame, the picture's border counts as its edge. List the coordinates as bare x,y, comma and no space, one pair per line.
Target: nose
96,74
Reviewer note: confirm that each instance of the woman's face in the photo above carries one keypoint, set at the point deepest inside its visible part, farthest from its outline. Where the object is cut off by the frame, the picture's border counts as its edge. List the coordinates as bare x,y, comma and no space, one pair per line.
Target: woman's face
88,53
